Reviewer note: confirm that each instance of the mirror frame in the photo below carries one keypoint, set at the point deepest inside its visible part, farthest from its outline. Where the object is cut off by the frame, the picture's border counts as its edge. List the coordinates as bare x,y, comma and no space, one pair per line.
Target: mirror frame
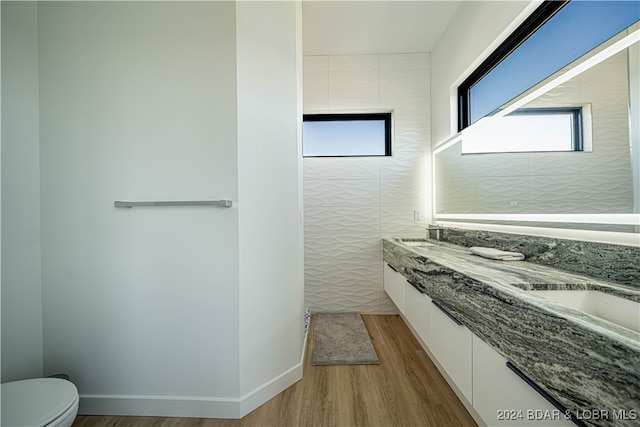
467,220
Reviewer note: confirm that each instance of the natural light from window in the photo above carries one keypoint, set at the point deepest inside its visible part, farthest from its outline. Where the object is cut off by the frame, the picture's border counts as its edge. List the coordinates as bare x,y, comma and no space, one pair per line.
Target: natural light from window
336,136
576,29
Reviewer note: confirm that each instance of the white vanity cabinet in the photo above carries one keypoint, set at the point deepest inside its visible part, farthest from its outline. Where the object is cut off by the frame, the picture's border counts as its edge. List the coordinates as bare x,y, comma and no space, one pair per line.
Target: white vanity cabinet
487,385
418,307
451,344
502,398
395,285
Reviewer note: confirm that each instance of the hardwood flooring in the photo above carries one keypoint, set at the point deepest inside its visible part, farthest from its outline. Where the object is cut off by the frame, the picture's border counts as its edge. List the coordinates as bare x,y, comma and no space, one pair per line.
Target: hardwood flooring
405,389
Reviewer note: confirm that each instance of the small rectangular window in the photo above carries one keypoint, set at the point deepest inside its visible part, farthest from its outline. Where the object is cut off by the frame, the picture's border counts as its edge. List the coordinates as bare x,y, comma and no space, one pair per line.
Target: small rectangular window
346,135
528,130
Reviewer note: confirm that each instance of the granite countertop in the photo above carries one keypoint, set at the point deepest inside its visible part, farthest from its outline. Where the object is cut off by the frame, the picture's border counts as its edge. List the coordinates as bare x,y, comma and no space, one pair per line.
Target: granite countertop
585,362
516,277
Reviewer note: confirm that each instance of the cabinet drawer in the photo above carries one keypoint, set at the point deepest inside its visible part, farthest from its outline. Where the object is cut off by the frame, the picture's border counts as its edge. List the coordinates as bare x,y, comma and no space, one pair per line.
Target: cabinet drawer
502,398
395,285
450,343
418,306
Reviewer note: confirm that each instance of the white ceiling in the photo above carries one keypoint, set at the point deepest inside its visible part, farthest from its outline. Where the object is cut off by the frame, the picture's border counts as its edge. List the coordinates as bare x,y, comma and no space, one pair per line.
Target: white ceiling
367,27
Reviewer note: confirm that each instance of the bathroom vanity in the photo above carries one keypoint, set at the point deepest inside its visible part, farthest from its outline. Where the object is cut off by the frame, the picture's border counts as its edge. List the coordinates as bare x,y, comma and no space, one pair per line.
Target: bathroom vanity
521,343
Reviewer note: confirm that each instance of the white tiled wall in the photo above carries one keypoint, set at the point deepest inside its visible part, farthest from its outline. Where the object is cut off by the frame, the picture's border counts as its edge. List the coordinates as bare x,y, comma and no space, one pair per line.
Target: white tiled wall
352,203
565,182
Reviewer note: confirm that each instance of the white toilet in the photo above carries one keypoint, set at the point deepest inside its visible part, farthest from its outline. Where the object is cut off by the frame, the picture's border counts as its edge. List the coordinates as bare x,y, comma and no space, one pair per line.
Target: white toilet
40,402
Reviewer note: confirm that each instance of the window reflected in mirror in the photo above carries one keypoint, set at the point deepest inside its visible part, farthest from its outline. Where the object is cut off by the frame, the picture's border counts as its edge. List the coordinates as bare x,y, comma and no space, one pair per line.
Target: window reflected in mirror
522,174
563,153
532,129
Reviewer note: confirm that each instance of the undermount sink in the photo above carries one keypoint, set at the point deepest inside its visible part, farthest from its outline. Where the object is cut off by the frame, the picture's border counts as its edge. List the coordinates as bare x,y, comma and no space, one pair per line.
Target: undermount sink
416,243
621,311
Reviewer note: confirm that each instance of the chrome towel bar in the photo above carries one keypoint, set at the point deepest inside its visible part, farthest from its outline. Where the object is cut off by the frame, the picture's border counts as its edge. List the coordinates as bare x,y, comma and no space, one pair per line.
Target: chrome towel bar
223,203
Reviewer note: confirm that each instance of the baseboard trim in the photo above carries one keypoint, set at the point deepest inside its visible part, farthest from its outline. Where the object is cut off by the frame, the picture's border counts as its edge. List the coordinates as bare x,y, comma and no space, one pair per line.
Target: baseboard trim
191,406
262,394
159,406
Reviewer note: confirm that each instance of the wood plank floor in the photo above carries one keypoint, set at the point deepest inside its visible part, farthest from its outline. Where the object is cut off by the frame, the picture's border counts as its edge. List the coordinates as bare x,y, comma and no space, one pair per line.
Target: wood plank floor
405,389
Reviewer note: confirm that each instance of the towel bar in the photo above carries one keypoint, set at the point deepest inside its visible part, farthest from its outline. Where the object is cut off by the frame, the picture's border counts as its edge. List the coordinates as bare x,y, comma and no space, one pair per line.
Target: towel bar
223,203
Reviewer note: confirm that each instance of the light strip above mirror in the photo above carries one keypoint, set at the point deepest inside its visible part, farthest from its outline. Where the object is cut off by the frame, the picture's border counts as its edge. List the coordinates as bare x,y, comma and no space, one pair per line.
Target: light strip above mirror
614,219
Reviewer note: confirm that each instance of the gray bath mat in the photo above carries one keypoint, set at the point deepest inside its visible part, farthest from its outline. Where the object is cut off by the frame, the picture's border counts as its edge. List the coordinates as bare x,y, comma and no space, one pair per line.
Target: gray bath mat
342,339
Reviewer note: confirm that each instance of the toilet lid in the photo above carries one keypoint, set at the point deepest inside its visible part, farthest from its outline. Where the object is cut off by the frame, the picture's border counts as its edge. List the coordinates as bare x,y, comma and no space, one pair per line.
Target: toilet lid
36,402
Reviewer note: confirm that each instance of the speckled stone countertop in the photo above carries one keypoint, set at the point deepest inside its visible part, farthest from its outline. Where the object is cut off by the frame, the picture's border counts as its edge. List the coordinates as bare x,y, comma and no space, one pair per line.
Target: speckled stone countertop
584,362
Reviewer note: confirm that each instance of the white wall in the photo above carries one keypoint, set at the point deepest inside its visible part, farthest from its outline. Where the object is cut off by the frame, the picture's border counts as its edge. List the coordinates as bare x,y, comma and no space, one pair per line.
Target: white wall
21,273
271,259
352,203
476,29
138,102
194,311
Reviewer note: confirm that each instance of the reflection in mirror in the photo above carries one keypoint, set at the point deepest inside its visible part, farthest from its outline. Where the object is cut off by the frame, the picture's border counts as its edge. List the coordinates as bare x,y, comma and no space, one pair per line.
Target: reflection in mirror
550,127
597,176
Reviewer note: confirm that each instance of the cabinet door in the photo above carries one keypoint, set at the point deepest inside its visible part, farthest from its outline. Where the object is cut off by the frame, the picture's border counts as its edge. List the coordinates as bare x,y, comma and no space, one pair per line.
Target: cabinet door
502,398
451,344
418,306
395,285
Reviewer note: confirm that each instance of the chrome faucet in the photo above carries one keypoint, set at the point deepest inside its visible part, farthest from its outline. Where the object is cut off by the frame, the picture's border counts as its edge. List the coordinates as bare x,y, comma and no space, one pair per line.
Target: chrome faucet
434,230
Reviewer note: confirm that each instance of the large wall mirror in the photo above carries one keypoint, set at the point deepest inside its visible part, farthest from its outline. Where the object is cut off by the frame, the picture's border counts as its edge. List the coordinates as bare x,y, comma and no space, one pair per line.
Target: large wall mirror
585,176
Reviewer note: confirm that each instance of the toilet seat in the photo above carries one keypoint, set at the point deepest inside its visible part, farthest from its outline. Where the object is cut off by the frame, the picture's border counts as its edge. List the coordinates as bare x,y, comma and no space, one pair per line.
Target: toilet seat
40,402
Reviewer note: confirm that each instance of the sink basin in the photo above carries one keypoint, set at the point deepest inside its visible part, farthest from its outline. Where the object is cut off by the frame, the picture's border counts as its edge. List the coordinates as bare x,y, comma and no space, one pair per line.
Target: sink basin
416,243
621,311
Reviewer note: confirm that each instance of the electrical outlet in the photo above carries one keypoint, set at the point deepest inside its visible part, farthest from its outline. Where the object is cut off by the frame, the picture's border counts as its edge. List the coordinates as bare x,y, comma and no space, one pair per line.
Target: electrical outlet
417,215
